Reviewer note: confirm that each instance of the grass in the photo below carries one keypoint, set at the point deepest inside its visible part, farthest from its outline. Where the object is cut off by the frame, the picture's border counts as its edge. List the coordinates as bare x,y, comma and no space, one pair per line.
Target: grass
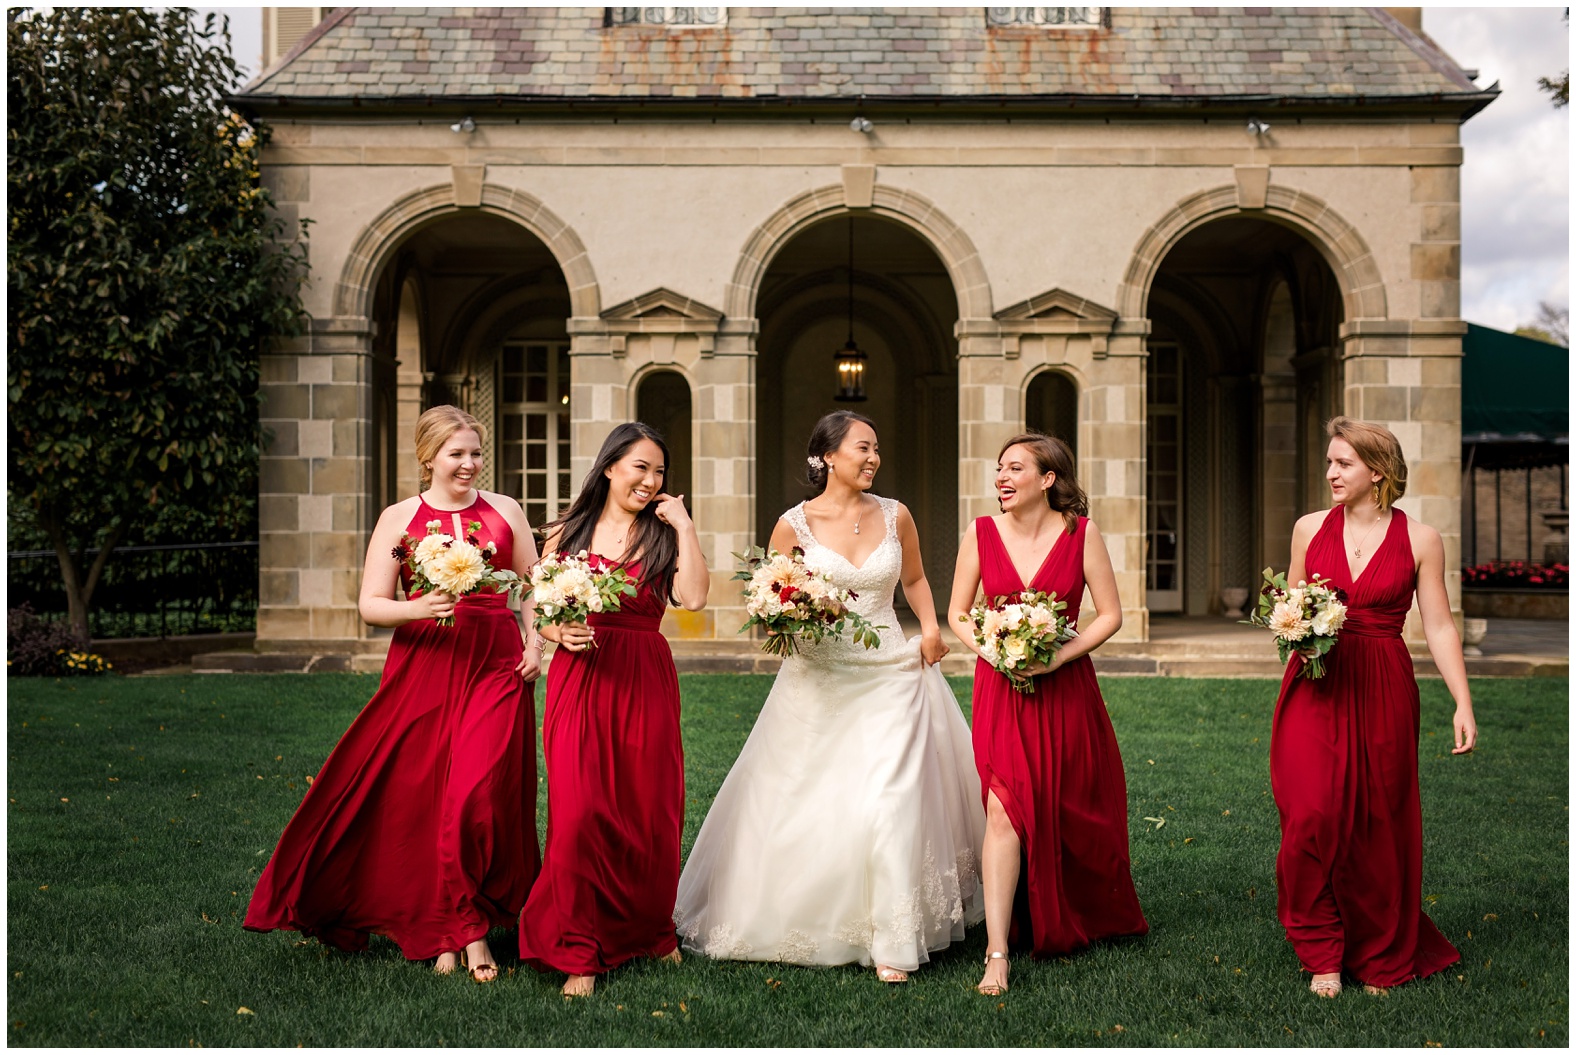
141,811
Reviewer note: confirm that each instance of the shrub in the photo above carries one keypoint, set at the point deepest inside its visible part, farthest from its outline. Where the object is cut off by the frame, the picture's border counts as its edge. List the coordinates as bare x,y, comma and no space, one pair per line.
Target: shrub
1517,573
47,647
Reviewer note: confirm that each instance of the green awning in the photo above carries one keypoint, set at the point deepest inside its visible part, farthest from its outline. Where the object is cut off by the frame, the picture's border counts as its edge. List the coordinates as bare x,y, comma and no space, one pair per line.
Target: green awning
1514,390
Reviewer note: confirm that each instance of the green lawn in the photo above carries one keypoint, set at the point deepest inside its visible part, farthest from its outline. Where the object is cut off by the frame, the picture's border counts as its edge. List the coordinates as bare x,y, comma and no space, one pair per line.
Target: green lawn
142,810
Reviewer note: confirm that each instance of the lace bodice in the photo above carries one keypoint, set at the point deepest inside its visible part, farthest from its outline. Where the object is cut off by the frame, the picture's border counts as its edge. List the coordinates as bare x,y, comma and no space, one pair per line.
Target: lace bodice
875,581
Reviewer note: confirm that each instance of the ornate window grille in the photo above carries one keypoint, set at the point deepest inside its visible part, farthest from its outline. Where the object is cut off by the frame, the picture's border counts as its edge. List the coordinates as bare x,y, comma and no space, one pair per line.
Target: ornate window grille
667,16
1060,17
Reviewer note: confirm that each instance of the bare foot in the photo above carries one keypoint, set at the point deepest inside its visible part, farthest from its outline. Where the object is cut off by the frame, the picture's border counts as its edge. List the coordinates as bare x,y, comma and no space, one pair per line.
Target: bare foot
890,975
580,985
995,981
1326,985
447,963
1374,990
674,957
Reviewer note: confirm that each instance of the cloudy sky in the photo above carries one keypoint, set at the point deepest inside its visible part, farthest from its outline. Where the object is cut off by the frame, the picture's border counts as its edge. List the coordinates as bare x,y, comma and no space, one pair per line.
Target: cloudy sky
1515,248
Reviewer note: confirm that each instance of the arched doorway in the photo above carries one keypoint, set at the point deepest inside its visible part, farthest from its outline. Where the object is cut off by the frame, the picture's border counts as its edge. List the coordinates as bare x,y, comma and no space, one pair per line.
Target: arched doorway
663,401
1051,406
472,309
1241,375
904,314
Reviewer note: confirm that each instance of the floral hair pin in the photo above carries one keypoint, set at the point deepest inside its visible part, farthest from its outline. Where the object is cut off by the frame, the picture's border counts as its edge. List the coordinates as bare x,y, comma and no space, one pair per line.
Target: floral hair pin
815,462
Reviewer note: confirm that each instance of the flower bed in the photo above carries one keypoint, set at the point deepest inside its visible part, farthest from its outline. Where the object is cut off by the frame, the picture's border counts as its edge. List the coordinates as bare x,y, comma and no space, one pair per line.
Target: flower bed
1517,573
1516,589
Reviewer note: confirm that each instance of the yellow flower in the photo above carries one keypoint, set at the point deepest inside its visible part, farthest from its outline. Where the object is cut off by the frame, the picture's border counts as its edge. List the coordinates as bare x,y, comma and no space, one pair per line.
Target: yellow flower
458,569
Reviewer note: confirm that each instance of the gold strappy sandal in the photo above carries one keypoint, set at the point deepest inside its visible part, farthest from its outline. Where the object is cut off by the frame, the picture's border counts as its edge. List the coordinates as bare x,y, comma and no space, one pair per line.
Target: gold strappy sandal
993,988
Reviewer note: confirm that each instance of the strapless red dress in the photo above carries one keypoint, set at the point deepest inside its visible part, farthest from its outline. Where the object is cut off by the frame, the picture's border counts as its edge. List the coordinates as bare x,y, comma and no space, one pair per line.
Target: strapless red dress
1051,759
615,798
422,823
1343,769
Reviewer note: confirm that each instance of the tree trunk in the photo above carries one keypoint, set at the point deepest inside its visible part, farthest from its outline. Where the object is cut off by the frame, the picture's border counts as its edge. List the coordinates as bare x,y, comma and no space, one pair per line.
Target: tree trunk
79,586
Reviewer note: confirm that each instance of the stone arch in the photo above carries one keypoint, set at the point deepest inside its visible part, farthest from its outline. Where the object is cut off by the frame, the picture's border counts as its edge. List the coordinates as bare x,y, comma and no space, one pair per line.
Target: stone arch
1343,248
353,294
949,242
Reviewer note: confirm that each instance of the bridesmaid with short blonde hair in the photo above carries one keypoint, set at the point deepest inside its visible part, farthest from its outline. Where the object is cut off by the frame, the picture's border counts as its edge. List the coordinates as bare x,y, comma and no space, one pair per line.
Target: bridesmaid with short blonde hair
1343,752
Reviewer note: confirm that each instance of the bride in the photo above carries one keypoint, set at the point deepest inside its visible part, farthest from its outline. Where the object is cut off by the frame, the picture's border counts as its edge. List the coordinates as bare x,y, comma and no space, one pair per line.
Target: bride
847,830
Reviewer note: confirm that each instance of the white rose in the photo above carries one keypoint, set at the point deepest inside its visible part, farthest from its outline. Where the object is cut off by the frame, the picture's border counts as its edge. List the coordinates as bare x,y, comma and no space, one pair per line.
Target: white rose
1330,620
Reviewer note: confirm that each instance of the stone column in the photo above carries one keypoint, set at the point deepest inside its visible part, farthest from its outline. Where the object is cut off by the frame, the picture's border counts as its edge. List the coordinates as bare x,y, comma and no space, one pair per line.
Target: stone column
315,476
1114,434
1406,373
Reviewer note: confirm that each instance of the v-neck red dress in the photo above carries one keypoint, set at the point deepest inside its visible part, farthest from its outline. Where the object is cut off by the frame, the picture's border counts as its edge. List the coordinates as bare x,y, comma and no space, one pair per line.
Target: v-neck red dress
615,797
1051,759
1343,768
421,824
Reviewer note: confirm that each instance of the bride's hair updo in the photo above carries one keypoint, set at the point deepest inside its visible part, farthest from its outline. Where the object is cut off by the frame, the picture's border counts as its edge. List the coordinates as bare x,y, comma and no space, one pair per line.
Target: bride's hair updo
1054,456
825,438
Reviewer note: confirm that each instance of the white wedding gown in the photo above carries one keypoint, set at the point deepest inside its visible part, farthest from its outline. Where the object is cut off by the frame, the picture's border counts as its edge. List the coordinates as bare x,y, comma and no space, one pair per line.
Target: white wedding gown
848,828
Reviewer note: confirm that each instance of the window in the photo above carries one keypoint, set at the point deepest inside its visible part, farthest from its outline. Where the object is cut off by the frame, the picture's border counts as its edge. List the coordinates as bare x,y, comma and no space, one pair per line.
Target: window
666,16
1068,17
534,410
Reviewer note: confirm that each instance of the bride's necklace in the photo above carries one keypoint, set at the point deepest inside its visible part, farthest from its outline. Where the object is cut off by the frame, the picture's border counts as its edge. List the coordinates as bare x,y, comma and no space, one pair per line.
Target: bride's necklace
861,515
1358,551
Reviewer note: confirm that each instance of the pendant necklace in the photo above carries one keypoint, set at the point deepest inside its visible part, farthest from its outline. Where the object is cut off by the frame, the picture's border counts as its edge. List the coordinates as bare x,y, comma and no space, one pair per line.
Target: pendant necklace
1359,550
860,517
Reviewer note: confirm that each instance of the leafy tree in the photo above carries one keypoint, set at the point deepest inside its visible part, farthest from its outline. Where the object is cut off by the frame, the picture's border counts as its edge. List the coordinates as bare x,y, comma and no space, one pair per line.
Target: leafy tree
1559,89
1552,324
145,267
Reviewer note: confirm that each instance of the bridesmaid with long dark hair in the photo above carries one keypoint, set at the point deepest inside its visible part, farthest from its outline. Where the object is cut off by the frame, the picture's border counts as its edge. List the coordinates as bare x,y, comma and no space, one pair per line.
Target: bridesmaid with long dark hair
1343,752
421,824
610,734
1055,865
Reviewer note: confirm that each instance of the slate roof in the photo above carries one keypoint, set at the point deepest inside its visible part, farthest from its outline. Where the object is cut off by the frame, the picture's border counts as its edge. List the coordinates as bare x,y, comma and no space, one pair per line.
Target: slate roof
374,53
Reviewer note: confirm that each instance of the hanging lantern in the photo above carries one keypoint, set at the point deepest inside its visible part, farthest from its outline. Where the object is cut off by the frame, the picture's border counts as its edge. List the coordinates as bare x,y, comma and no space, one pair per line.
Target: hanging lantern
849,359
850,373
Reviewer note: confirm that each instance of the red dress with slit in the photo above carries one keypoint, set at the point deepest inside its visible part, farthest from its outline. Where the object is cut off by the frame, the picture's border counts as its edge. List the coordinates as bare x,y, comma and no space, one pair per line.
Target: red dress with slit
1343,768
615,797
1051,759
421,824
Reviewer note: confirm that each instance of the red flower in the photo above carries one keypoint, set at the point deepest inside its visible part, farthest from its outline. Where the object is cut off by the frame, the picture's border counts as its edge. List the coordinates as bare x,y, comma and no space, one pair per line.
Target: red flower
785,595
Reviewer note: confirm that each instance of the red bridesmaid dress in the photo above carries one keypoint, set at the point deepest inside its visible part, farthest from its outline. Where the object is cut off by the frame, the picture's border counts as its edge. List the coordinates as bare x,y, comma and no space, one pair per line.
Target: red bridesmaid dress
1343,768
1052,760
615,798
421,824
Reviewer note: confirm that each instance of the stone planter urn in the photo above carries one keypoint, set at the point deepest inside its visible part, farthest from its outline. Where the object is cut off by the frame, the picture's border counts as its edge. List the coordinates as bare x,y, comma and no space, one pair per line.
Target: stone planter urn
1234,599
1473,631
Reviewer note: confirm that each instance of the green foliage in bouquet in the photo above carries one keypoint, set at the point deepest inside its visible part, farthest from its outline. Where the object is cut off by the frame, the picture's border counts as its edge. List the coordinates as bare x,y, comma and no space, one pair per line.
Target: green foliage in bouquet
769,575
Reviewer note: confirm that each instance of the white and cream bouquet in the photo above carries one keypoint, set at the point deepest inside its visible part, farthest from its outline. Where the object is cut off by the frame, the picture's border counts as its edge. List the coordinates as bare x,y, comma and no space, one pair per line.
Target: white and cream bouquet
796,604
1019,630
566,589
1305,618
455,566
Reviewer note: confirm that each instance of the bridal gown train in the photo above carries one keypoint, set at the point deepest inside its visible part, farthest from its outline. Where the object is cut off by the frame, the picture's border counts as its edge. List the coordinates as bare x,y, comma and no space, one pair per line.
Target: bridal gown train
847,830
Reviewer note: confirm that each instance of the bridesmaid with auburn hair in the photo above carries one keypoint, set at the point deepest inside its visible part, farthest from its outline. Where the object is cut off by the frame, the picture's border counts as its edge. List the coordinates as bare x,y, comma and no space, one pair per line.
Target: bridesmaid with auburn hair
421,825
1055,864
1343,752
610,733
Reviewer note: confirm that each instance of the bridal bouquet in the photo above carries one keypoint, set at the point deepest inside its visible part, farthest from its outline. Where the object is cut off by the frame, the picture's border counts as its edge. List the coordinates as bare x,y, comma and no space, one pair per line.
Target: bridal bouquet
793,603
1304,619
454,566
1019,630
567,589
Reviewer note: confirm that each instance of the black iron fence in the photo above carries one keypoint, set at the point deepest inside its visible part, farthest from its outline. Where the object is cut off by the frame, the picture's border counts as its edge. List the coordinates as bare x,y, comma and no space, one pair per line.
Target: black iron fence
149,591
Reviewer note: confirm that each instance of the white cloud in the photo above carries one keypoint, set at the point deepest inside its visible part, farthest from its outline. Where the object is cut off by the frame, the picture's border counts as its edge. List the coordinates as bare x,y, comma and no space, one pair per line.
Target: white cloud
1515,180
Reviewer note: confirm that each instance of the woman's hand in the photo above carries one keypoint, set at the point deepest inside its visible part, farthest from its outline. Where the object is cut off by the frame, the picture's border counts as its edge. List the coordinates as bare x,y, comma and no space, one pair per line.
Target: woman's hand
931,647
1034,670
530,664
576,637
671,510
1466,731
434,605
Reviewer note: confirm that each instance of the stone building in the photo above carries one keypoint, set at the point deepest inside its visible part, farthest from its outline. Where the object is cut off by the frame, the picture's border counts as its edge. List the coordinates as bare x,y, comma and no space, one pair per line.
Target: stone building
1180,238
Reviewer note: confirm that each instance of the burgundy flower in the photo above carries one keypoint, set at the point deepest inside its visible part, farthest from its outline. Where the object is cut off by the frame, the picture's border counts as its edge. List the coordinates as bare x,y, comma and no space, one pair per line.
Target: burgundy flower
401,553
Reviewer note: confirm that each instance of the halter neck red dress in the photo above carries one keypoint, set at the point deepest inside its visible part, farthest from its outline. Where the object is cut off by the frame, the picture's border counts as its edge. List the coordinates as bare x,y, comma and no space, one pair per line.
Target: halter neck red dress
615,797
1343,768
421,825
1052,760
